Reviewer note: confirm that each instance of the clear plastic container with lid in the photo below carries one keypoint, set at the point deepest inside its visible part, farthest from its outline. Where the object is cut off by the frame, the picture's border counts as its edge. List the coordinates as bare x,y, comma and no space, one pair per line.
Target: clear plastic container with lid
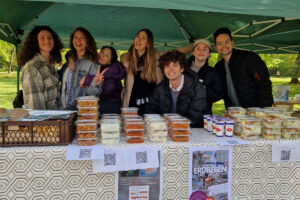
158,138
134,139
252,111
180,138
87,110
291,122
157,132
86,142
110,141
86,134
129,111
87,101
182,123
179,131
157,125
110,125
134,132
129,124
88,117
110,134
271,133
237,111
86,125
291,133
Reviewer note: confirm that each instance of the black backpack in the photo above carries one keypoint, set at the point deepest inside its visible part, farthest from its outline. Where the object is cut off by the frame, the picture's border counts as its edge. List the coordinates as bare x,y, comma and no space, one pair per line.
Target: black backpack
18,101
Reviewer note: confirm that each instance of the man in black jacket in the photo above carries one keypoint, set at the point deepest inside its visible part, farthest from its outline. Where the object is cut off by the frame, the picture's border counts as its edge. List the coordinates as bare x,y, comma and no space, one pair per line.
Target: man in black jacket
180,91
244,74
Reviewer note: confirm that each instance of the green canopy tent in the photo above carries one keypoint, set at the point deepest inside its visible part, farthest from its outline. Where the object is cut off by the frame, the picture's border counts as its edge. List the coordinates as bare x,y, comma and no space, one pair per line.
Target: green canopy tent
263,26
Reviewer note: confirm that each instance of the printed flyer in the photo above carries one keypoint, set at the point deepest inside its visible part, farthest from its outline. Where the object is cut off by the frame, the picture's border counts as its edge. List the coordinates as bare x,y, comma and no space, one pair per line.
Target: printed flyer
210,173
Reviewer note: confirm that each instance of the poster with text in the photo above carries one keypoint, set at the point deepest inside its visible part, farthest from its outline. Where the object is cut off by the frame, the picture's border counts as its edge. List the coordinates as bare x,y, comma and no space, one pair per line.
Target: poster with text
210,173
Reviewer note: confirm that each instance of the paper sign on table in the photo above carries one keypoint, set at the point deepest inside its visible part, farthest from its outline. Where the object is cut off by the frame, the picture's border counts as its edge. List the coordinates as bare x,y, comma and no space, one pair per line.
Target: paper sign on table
231,141
95,152
122,159
139,192
286,152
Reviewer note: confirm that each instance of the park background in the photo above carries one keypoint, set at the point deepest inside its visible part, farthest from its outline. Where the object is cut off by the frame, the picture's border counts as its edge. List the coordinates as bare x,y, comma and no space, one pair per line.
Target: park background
286,64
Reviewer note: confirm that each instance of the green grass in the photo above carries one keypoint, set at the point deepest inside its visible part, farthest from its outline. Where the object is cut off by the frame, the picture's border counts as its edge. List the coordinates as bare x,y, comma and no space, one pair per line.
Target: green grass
8,89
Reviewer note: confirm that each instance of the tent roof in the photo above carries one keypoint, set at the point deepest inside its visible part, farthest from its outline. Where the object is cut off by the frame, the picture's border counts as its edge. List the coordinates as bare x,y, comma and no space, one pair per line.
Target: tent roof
266,26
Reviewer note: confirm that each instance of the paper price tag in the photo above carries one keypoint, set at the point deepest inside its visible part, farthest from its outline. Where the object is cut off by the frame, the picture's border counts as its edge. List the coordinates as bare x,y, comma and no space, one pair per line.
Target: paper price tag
139,192
95,152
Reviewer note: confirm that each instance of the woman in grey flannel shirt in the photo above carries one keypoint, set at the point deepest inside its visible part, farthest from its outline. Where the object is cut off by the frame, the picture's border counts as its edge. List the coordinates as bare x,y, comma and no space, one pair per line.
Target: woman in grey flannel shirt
40,81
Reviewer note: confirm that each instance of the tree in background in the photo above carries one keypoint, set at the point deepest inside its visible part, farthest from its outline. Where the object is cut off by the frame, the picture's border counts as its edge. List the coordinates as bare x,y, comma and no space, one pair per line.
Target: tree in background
8,60
296,71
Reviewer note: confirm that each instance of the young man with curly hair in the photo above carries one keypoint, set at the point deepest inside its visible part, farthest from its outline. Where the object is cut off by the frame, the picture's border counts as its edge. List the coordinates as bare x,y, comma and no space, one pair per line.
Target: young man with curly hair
180,91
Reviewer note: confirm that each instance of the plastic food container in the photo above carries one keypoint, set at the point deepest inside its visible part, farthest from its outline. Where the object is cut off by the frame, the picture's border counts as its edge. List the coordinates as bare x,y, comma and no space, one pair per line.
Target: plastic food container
158,138
236,111
252,111
291,133
88,117
129,124
129,111
86,142
270,136
157,125
110,125
112,134
180,138
134,132
86,125
110,141
249,137
87,101
179,131
157,132
179,123
133,139
87,134
291,122
87,110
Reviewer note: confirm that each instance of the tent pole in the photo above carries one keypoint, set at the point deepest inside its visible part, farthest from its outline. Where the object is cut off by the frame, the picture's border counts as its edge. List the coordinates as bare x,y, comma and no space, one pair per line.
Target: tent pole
185,34
18,69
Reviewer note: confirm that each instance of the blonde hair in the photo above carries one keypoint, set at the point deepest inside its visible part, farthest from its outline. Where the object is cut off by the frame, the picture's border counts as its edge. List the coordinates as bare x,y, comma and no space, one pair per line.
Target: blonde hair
149,70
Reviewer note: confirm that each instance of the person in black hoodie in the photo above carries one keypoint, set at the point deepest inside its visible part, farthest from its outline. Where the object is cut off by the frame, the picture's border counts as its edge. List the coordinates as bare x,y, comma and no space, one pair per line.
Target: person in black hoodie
180,91
244,75
198,62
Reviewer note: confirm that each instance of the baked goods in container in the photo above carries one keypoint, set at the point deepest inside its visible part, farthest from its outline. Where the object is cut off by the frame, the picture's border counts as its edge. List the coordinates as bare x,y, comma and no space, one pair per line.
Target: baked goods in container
179,131
86,142
158,138
291,133
87,101
87,110
133,124
110,125
236,111
291,122
86,125
88,117
110,141
134,132
179,123
87,134
134,139
180,138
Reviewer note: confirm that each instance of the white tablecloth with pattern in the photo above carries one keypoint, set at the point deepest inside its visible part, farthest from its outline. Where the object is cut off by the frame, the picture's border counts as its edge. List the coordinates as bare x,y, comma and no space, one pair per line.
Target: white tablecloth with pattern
43,172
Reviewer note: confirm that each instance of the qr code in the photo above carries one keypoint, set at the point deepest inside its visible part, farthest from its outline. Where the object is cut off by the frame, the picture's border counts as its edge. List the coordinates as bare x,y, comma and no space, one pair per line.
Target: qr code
285,155
85,153
109,159
141,157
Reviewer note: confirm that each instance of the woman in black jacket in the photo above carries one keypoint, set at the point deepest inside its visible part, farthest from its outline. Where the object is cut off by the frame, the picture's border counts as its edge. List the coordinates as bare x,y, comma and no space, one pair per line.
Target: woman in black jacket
206,74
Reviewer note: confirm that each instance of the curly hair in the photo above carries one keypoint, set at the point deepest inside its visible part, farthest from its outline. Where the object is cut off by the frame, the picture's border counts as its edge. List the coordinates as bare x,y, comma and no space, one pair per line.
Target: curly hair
173,56
91,47
31,47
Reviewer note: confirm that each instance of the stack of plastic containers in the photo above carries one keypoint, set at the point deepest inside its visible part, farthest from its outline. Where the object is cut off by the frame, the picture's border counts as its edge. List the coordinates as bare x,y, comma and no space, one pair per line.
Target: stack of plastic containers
133,125
291,128
272,125
156,128
87,123
179,127
110,126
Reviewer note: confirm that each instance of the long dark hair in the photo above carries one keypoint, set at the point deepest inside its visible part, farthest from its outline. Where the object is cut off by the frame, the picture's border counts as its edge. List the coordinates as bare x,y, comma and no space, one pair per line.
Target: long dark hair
114,54
91,47
31,46
149,71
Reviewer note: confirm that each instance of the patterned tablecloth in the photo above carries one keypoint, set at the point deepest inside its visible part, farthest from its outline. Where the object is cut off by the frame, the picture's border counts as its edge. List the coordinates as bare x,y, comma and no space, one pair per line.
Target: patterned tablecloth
43,172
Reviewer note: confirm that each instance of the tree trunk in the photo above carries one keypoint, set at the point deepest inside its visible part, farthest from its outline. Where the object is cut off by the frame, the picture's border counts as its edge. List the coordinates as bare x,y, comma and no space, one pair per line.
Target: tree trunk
296,71
11,59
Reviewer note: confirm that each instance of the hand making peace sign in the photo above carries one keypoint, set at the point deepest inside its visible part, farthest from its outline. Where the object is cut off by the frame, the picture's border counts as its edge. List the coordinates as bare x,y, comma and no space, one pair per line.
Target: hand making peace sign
99,78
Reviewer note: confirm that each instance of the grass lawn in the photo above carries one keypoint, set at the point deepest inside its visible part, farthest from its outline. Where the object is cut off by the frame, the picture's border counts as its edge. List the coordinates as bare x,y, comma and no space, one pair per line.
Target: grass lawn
8,89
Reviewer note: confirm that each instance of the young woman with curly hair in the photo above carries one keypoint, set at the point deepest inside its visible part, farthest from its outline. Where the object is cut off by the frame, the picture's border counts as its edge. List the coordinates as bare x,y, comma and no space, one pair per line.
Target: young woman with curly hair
143,73
85,77
40,81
